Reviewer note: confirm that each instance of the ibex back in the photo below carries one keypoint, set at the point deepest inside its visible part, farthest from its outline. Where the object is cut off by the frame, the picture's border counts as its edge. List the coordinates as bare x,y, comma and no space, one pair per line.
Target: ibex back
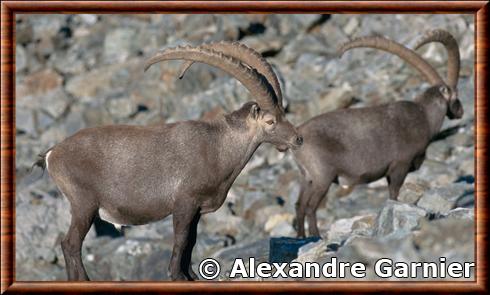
355,146
133,175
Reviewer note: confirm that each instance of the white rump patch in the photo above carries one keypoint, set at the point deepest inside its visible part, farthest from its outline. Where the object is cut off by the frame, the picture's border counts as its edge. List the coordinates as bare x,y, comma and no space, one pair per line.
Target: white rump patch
46,159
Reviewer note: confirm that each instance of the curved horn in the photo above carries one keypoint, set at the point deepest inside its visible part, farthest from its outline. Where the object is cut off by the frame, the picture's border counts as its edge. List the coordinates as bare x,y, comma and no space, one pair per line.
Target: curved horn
247,56
250,78
401,51
452,49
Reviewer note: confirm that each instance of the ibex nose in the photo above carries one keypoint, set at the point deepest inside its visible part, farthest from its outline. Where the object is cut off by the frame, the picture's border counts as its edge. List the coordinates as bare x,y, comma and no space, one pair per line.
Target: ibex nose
299,140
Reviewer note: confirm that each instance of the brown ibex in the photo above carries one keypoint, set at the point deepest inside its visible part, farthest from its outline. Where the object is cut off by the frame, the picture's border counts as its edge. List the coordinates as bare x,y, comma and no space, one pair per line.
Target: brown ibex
133,175
354,146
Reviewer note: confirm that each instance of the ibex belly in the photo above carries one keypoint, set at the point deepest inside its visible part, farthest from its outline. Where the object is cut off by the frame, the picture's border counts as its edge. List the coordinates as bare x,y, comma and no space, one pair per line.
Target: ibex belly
135,212
362,176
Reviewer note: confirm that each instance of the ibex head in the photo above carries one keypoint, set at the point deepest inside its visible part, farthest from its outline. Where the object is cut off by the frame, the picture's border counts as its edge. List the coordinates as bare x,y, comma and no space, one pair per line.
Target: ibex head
447,91
273,127
266,117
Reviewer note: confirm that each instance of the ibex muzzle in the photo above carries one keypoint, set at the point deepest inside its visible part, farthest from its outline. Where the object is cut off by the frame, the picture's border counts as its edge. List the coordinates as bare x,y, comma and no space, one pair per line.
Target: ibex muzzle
134,175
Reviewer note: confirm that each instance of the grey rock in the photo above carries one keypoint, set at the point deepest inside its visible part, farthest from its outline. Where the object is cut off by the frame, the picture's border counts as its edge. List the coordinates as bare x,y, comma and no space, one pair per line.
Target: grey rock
97,115
54,103
89,19
462,213
23,29
312,252
397,218
368,251
439,151
452,238
68,63
118,44
411,192
20,58
24,120
341,229
44,120
128,260
74,121
258,249
442,199
120,107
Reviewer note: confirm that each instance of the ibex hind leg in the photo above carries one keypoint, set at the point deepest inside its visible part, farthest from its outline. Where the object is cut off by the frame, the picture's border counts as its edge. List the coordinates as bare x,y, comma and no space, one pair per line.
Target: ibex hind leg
396,176
82,217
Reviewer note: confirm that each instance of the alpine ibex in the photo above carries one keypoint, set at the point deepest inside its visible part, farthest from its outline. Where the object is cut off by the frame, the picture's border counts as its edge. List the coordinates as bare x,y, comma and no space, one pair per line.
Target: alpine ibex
354,146
133,175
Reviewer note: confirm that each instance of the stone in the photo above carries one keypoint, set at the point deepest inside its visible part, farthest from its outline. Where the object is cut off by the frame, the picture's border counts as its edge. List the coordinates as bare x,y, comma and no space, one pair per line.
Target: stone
442,199
398,217
129,259
258,249
452,238
282,229
118,44
74,121
101,82
278,219
23,30
121,107
39,83
20,58
343,228
336,98
55,103
462,213
24,121
89,19
411,192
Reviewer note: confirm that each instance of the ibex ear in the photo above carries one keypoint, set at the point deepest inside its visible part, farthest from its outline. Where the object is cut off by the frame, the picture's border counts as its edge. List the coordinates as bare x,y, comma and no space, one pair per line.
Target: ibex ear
444,90
254,111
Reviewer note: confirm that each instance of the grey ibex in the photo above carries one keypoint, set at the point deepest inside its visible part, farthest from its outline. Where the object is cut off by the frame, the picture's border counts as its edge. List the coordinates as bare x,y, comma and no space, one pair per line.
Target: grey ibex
354,146
133,175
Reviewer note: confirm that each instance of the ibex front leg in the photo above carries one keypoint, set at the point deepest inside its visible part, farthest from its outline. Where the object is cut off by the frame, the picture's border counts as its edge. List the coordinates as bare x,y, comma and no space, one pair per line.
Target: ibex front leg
183,217
303,198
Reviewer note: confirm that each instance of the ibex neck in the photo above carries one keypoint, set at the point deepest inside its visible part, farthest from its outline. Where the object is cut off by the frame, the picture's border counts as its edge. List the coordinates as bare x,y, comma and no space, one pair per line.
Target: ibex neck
237,146
435,110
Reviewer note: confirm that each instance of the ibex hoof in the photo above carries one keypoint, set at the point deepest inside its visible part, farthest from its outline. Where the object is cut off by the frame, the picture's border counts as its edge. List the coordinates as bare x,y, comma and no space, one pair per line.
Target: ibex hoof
193,276
179,277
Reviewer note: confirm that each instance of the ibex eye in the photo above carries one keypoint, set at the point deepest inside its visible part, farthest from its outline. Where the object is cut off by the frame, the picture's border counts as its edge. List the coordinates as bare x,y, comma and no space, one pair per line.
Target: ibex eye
270,122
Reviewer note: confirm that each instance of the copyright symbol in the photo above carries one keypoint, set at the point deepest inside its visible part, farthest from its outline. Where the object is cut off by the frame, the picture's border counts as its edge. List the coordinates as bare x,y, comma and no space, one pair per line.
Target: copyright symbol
209,269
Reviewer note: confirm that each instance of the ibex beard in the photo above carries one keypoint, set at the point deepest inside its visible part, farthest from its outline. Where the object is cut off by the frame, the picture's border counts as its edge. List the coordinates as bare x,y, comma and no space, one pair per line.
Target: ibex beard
133,175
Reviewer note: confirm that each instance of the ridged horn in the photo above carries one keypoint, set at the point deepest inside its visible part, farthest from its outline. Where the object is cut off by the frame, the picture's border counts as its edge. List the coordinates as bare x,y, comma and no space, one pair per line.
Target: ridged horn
260,89
247,56
398,49
452,48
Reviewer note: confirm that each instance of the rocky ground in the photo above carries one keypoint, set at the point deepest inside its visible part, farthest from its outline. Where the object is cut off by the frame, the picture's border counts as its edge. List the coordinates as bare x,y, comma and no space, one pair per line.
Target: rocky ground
75,71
